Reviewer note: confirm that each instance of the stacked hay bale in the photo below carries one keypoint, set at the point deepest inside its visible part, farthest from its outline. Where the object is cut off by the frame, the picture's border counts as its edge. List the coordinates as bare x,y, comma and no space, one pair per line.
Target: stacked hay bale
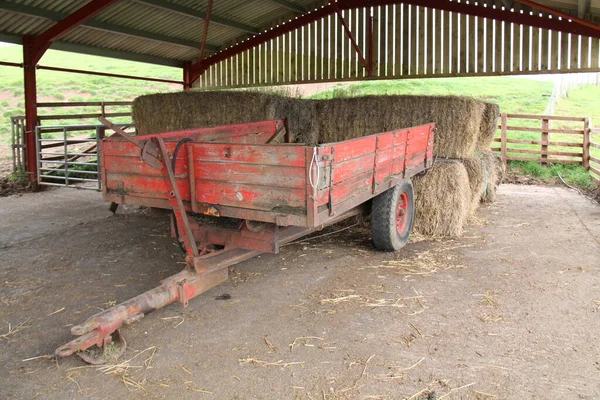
465,172
167,112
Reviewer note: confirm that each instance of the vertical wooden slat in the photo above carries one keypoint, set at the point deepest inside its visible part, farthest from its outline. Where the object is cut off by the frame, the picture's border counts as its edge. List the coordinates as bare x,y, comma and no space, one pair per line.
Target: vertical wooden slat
382,41
319,49
390,39
326,43
554,52
305,53
262,55
447,56
247,68
516,48
218,75
545,136
481,38
421,51
498,46
535,49
234,73
406,40
430,41
339,41
414,35
332,47
280,59
455,43
293,56
545,49
595,52
240,69
271,62
489,45
313,51
575,55
438,40
585,52
251,67
464,36
508,47
348,48
565,41
472,51
361,40
375,43
398,45
526,48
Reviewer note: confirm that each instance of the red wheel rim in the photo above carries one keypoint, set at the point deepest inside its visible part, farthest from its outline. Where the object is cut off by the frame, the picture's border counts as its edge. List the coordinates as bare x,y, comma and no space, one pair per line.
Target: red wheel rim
402,212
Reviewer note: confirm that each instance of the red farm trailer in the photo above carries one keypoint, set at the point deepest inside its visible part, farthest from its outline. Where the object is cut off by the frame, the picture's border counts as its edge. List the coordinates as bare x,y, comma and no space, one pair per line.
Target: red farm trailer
270,193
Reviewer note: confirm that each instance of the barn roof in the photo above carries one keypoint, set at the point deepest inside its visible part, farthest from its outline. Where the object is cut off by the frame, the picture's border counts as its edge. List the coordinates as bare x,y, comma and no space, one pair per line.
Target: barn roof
170,32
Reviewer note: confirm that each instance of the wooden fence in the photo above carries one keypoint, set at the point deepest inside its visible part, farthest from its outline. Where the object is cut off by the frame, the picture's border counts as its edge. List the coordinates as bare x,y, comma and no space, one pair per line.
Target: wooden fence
548,139
594,166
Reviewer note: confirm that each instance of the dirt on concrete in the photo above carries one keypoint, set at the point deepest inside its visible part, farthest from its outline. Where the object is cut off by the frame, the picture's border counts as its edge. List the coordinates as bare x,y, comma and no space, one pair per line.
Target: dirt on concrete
509,311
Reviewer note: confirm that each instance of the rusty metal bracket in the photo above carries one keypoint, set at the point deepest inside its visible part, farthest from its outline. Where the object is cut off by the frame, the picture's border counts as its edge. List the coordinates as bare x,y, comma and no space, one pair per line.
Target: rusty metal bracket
176,201
331,181
149,153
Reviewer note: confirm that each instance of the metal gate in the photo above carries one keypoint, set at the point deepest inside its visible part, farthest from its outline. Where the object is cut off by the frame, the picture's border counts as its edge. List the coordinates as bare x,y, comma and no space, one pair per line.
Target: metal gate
67,155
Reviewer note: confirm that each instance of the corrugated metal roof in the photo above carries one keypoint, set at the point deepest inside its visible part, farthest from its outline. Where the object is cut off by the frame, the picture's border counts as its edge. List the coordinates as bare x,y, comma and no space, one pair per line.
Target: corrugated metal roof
170,29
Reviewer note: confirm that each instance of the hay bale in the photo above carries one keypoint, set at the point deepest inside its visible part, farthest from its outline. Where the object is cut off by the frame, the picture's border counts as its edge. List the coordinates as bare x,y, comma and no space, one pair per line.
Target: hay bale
166,112
442,200
458,119
478,180
496,172
488,127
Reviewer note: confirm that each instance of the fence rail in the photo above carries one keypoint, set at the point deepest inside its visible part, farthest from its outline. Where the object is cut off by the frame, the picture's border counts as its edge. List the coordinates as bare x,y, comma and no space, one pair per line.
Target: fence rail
564,140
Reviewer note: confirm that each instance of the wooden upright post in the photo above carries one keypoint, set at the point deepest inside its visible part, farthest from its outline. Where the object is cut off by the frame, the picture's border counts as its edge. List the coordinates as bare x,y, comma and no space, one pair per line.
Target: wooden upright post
545,138
585,160
503,137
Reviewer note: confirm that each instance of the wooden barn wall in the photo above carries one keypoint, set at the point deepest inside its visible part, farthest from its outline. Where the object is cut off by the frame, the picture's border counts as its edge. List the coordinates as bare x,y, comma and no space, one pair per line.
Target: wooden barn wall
408,42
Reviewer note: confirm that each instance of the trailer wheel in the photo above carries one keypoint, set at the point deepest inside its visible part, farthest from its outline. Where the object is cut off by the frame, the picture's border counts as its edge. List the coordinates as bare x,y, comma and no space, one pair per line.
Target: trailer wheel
392,217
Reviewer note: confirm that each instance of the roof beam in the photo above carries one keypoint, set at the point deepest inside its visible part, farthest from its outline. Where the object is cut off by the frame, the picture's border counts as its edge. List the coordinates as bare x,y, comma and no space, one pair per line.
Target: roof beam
72,21
583,7
289,5
99,25
191,12
100,52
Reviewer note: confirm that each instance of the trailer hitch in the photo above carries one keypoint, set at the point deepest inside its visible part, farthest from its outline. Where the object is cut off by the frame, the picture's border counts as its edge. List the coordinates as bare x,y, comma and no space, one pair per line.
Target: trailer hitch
102,330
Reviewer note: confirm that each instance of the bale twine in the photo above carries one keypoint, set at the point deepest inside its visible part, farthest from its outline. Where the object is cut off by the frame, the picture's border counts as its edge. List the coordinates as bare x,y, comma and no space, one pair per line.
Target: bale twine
488,127
458,119
442,199
166,112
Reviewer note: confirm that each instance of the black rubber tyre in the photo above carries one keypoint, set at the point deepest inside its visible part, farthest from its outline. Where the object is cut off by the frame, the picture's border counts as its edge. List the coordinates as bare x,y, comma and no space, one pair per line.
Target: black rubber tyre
392,217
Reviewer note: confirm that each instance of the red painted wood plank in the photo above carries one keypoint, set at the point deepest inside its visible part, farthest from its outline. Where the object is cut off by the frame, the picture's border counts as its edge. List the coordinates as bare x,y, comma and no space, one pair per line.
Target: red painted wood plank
254,174
253,154
130,165
249,196
348,169
143,186
354,148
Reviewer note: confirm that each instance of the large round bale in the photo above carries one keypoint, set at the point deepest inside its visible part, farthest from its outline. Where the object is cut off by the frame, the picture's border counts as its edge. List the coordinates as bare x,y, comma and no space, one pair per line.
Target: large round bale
458,119
488,127
442,199
166,112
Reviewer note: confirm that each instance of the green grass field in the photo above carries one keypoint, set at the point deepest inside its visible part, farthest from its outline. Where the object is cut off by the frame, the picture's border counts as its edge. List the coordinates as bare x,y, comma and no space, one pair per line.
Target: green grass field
59,86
